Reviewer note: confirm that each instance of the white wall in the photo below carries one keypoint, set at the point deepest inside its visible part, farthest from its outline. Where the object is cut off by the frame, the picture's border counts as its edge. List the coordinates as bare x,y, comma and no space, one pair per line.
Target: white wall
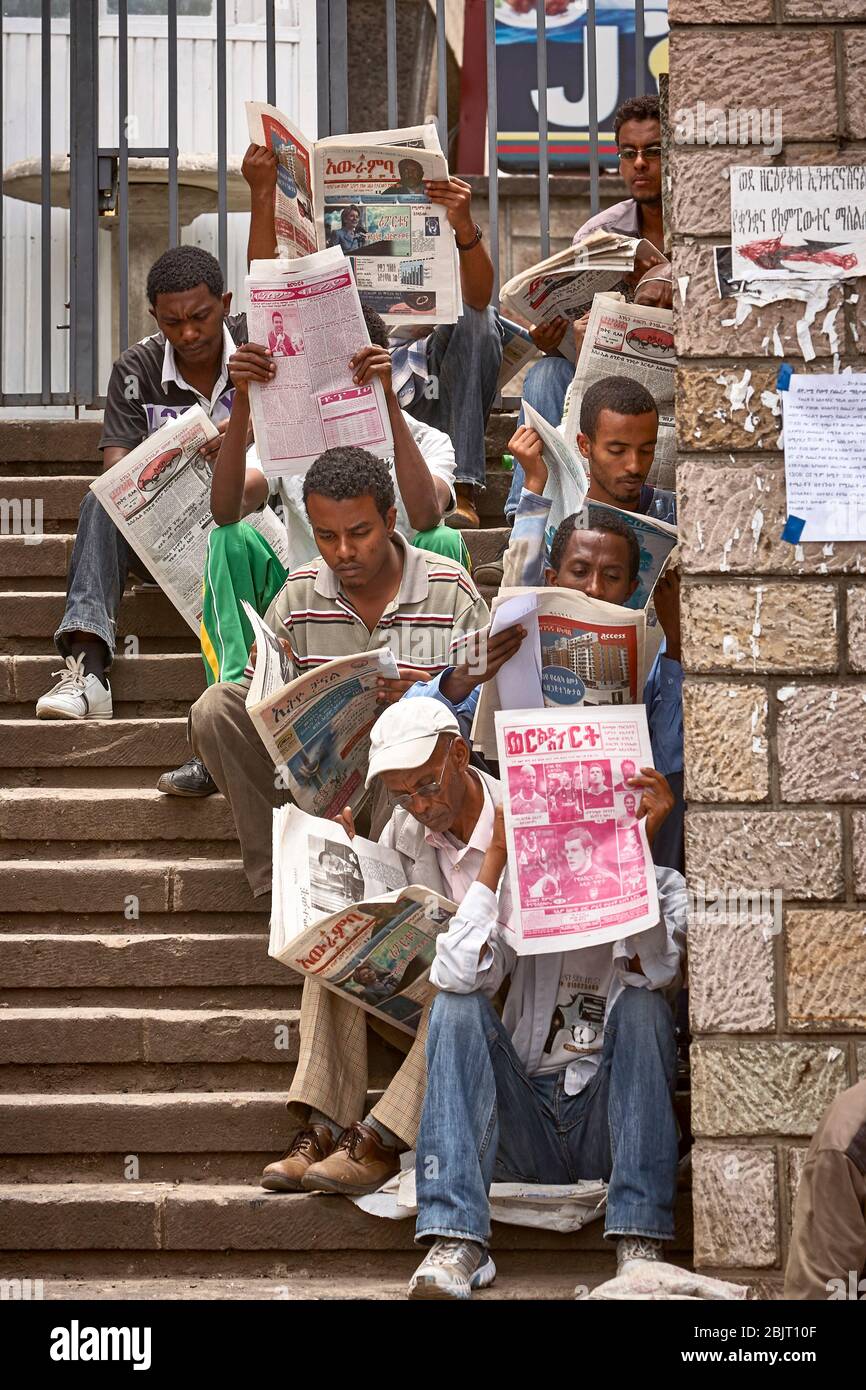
246,77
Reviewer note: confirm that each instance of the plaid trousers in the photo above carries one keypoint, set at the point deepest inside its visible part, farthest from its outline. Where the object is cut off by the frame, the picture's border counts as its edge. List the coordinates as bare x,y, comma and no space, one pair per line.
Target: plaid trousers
332,1072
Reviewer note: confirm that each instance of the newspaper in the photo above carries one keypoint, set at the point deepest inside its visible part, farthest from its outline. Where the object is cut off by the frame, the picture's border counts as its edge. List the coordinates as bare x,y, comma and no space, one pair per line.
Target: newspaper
518,350
158,496
331,920
631,340
579,861
364,194
317,726
308,313
545,1206
565,284
589,653
567,483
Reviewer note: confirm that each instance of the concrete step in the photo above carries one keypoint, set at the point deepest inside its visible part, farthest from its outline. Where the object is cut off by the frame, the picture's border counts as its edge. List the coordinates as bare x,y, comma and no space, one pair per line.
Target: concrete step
126,886
93,743
177,1122
520,1275
53,498
143,613
29,1035
201,1217
111,814
46,445
140,679
28,556
87,961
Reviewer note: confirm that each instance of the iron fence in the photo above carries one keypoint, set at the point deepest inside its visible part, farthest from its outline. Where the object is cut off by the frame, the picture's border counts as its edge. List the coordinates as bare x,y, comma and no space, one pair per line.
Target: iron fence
98,174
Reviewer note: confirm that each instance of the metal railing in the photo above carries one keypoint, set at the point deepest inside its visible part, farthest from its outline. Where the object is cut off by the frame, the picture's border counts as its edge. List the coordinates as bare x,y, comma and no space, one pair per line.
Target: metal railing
99,174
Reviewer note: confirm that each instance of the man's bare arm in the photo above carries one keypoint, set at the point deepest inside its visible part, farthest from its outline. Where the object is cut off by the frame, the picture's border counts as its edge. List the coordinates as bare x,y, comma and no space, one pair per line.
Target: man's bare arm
420,491
476,267
259,168
112,455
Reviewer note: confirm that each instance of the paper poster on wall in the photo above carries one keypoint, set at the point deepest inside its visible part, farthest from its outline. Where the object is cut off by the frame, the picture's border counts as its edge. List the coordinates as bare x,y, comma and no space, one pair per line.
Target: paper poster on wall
824,420
803,222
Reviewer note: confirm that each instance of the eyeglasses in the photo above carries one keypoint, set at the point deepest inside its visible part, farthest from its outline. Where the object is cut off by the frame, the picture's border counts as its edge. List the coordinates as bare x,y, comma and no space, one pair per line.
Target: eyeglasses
628,154
428,792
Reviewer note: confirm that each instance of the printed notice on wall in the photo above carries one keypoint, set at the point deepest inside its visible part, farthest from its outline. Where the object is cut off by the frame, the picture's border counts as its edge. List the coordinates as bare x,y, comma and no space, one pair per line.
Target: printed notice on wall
806,222
825,455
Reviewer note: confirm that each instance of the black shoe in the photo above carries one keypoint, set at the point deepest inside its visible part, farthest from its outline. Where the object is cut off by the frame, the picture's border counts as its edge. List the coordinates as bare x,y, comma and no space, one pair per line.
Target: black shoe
193,779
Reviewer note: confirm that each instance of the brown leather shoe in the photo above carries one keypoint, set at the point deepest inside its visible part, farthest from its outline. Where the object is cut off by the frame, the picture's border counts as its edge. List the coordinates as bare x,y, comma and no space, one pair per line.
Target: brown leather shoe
308,1146
465,514
359,1164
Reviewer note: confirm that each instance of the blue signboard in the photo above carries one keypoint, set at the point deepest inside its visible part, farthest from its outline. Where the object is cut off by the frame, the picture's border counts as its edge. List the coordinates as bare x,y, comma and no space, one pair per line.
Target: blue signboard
567,95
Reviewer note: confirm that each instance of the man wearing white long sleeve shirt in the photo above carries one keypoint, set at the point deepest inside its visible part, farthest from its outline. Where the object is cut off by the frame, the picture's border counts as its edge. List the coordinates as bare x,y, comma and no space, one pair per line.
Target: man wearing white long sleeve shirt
585,1036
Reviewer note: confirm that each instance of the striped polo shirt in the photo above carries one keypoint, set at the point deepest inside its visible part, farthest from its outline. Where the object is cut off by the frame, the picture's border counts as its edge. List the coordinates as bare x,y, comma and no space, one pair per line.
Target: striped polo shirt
424,626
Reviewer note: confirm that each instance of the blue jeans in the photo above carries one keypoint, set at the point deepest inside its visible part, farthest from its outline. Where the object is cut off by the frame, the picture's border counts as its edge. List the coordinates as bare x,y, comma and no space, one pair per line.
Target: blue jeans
100,562
464,358
485,1120
544,387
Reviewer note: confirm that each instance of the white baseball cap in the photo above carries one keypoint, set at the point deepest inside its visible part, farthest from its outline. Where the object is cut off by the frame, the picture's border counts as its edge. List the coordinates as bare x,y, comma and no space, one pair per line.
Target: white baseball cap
405,735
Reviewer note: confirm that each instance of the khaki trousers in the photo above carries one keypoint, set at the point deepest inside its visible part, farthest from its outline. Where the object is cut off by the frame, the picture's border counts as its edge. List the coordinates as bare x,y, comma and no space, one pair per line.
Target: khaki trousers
332,1072
221,733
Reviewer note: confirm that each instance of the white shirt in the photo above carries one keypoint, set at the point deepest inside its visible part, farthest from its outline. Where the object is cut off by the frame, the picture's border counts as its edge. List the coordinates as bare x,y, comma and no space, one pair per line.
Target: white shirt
171,372
438,454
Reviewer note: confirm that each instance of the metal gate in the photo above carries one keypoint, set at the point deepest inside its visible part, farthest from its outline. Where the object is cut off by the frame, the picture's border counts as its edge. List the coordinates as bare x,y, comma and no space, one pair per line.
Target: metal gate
57,331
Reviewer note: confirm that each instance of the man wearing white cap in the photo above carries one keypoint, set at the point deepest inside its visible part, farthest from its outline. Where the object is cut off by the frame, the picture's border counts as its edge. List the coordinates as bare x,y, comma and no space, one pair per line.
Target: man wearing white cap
442,825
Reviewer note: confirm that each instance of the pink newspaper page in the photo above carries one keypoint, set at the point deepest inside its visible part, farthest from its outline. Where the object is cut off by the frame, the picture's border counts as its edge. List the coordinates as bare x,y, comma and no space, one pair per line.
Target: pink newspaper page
580,866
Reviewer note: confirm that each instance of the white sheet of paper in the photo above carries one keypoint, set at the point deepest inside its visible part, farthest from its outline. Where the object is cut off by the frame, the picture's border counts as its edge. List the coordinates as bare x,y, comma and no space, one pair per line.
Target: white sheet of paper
518,682
812,212
825,455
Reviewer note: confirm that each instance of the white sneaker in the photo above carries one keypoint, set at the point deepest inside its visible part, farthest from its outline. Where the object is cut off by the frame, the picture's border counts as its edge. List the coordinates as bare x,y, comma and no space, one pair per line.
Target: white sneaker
75,696
452,1269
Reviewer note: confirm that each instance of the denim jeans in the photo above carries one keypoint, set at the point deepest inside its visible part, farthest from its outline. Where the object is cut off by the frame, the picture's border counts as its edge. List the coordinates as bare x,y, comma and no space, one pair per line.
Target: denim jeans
464,358
100,562
485,1120
545,386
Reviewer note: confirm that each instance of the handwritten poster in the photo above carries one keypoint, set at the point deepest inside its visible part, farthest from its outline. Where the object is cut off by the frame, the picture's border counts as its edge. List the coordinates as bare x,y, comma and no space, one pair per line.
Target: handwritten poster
806,222
825,455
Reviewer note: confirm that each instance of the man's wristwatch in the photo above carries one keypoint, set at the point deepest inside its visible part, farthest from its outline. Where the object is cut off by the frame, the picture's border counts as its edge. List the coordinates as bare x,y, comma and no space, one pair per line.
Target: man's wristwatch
468,245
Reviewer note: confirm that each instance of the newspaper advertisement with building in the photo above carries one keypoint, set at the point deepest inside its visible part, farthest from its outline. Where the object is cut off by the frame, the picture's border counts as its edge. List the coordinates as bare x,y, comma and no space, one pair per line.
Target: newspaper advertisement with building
308,313
158,496
565,285
631,340
579,862
343,913
317,727
371,202
586,652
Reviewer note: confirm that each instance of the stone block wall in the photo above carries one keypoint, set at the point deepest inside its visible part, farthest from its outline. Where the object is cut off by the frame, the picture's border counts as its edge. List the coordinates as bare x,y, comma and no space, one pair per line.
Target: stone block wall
774,648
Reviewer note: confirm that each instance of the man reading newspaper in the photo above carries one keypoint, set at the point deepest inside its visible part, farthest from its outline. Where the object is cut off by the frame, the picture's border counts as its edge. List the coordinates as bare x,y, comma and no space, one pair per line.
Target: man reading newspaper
637,131
367,589
618,422
186,361
441,822
446,379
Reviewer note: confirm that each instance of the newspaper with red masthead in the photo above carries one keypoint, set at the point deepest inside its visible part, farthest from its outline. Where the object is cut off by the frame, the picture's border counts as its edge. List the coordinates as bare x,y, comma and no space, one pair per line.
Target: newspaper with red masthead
365,194
579,862
633,340
343,913
308,315
158,496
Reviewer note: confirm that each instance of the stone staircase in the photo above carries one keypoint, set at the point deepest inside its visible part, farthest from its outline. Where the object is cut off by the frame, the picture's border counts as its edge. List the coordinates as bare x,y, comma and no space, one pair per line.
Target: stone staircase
146,1039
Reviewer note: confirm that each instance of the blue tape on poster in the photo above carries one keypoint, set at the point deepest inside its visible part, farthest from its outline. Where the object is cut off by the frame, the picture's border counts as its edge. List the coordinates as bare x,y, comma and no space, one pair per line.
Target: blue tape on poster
784,378
793,529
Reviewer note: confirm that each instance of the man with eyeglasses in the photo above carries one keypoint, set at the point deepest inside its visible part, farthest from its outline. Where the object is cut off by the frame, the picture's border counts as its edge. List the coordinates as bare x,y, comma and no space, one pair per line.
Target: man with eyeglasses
441,824
637,129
